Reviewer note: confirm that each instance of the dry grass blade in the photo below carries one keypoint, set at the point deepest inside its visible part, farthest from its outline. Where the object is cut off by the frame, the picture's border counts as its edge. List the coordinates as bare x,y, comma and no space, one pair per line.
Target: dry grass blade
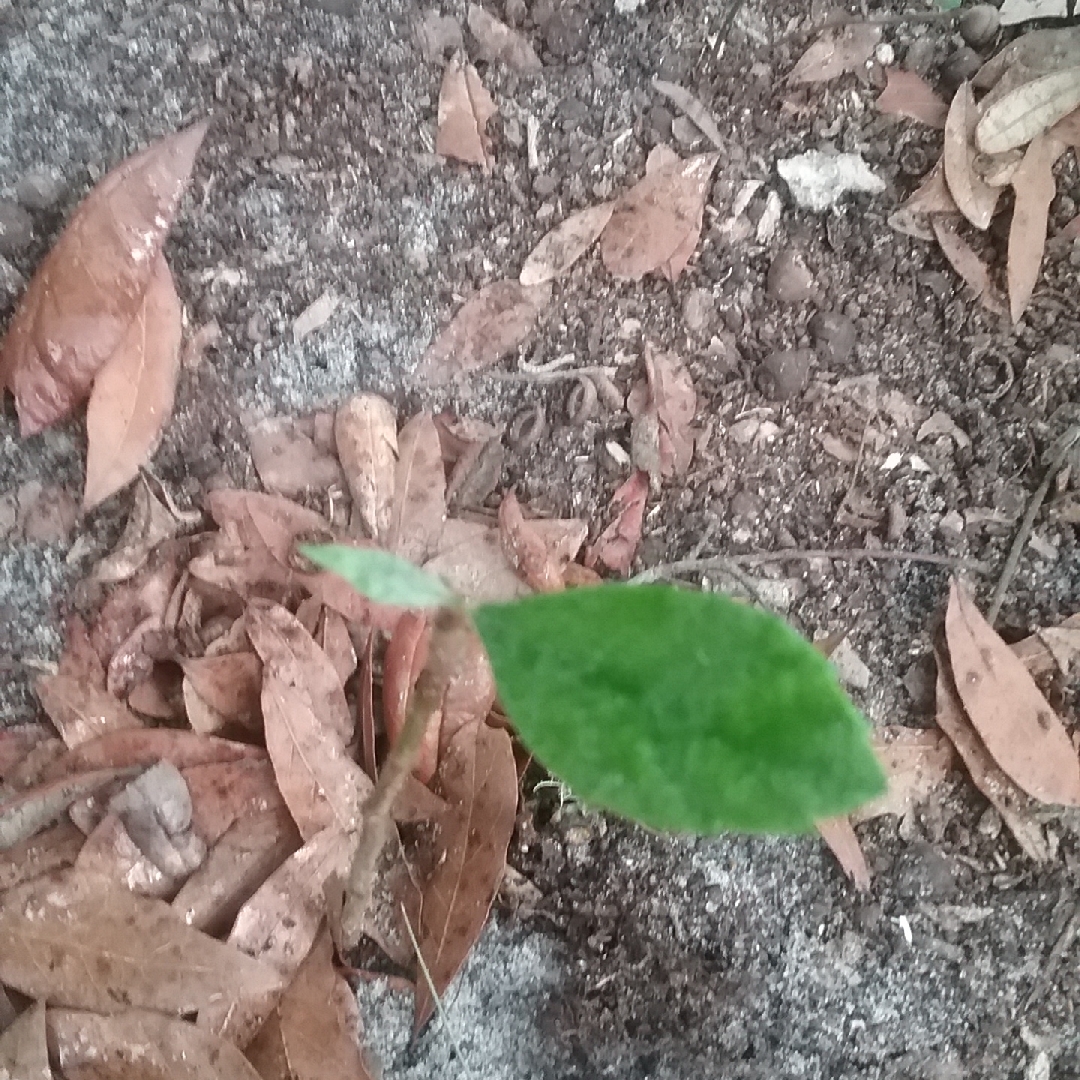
138,1043
54,849
1017,725
88,289
465,108
365,430
565,244
844,844
80,712
975,198
837,52
909,94
87,944
24,1050
419,508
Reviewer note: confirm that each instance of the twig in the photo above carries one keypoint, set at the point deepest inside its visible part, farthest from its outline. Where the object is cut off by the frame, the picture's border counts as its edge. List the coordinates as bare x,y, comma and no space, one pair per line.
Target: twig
549,375
1008,571
716,563
1053,958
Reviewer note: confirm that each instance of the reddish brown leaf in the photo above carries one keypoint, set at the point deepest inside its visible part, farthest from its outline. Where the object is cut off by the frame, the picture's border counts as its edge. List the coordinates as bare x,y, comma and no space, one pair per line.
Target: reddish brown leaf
470,691
133,392
88,289
967,264
565,244
289,457
54,849
419,508
366,706
318,1020
916,762
338,645
1018,726
837,52
230,683
141,1045
365,430
110,853
908,94
490,325
87,944
844,844
16,742
478,777
465,108
159,697
526,549
247,853
269,522
405,657
82,712
24,1051
617,544
663,409
975,198
224,792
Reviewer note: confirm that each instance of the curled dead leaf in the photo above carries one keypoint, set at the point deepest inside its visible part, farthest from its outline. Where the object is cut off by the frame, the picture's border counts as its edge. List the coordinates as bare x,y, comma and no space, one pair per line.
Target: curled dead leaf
967,264
365,430
1028,110
465,107
975,199
908,94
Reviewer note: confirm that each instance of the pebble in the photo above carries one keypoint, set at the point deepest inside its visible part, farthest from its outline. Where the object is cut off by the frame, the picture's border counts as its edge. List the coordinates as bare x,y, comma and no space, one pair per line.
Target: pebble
979,25
990,823
920,55
567,31
789,280
834,335
699,311
785,373
39,190
11,284
961,66
16,228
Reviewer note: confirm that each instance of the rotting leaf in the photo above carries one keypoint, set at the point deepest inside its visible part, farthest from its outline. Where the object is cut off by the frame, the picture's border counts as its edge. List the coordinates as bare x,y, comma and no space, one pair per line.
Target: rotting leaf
365,430
526,548
289,457
837,52
24,1050
844,844
490,325
465,107
133,392
565,244
1038,52
478,777
419,507
82,712
230,683
1016,723
618,543
471,561
139,953
53,849
144,1044
967,264
975,198
499,42
89,287
225,792
149,522
1028,110
669,400
908,94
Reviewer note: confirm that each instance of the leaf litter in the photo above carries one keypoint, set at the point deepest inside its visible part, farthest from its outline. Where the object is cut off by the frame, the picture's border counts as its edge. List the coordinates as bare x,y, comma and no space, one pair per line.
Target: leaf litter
465,107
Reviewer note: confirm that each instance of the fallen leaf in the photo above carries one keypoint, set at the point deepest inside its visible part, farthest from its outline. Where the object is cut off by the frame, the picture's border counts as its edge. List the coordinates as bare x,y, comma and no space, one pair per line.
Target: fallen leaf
419,506
908,94
656,224
498,42
1019,11
133,392
111,854
975,198
307,723
82,712
85,943
404,659
318,1020
88,289
143,1044
1037,52
565,244
967,264
316,315
230,683
916,762
271,522
471,561
245,855
1014,720
844,844
469,693
1028,110
490,325
1062,642
837,52
149,522
617,544
24,1051
365,430
465,107
225,792
692,108
526,548
1033,183
35,767
478,777
663,410
365,692
288,459
1016,808
7,1010
16,742
337,643
53,849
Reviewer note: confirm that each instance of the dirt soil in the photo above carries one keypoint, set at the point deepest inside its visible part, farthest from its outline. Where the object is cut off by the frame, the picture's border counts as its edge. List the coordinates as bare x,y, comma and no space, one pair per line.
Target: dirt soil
644,956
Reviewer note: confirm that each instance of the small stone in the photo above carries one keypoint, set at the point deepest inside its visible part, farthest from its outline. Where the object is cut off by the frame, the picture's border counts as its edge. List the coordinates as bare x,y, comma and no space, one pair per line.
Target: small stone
979,25
920,55
11,284
660,121
952,525
39,190
746,506
789,280
960,67
16,228
834,335
850,669
699,311
990,823
545,184
785,373
517,11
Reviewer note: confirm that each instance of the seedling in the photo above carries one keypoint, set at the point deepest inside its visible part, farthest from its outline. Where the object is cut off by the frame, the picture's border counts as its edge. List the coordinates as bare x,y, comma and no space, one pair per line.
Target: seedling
683,711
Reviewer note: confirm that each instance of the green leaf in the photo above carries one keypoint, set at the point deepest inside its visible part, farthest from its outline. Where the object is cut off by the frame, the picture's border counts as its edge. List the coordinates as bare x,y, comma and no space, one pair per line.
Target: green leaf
949,5
380,576
682,710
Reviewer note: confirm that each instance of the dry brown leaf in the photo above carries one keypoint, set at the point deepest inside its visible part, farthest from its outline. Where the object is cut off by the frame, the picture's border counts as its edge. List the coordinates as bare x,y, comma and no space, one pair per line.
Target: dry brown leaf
692,108
365,430
337,643
53,849
271,522
1028,110
478,777
656,224
1033,183
88,289
289,458
470,690
36,766
230,683
224,792
465,107
663,409
404,659
141,1045
1037,52
85,943
1017,725
246,854
844,844
565,244
158,697
490,325
1016,808
307,724
149,523
908,94
133,392
419,507
471,561
526,548
975,198
24,1050
7,1010
916,762
318,1020
110,853
498,42
16,742
837,52
618,543
82,712
967,264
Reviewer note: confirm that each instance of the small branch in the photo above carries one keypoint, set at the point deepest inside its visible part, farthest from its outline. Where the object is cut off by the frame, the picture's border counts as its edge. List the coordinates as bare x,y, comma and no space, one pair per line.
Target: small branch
546,375
1053,959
